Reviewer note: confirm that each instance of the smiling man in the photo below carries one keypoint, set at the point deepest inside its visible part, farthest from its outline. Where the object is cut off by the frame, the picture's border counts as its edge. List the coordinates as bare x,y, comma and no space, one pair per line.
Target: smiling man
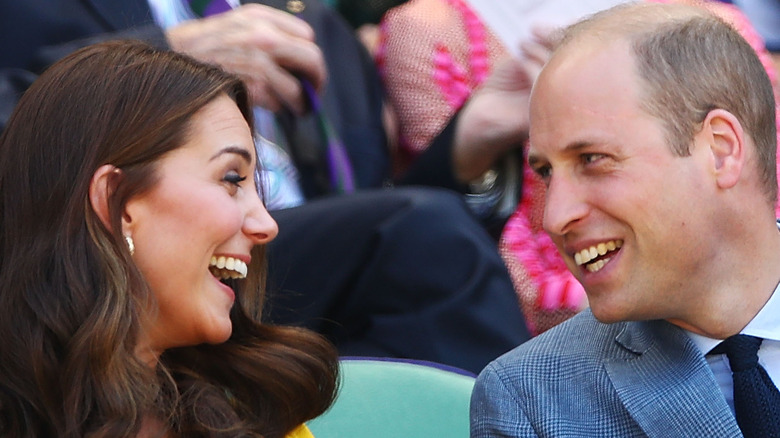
653,126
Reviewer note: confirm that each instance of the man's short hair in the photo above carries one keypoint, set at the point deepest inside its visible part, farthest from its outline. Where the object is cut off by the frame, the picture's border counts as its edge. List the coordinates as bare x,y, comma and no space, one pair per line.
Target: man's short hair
691,62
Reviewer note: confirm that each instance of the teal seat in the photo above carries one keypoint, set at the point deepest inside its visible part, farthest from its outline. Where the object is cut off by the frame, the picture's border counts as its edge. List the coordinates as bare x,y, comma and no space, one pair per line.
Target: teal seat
398,399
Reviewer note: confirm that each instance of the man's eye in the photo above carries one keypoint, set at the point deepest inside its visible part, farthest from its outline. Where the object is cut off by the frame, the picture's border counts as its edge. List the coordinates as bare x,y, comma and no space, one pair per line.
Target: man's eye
543,171
592,158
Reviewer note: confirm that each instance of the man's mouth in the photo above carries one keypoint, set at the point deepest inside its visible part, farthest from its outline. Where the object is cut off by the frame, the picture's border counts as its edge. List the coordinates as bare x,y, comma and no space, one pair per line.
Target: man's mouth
227,268
597,256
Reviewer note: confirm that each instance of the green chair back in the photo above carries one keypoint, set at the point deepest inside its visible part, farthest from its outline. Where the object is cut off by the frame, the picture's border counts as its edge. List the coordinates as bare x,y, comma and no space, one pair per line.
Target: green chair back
397,399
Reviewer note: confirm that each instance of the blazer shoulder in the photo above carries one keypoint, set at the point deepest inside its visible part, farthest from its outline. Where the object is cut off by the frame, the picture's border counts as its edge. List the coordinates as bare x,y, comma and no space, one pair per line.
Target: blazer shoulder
582,334
574,347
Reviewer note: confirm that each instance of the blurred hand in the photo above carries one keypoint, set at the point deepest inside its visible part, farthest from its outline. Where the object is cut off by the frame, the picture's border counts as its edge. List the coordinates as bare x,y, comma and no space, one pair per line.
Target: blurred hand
495,119
268,48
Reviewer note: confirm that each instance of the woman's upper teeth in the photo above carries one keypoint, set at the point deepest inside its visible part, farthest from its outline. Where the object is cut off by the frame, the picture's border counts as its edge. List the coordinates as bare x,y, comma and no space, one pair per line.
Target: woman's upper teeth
227,267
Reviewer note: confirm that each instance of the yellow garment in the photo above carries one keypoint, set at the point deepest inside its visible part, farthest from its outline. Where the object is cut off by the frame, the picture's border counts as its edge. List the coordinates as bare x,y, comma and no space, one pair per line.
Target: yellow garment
300,432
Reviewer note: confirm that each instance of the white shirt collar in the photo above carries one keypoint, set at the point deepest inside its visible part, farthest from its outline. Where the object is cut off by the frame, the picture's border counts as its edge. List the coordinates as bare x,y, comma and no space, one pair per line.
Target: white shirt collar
767,323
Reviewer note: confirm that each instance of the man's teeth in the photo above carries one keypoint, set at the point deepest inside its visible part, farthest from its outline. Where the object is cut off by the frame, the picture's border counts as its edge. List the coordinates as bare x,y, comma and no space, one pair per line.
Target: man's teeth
597,265
584,256
227,267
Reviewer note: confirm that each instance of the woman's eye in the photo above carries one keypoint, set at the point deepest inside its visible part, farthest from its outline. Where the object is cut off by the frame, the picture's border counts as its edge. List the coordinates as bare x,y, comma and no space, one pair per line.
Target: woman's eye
234,178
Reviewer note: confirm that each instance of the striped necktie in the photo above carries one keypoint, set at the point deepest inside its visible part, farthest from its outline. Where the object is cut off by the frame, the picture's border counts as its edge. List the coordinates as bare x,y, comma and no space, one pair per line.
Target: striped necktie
342,178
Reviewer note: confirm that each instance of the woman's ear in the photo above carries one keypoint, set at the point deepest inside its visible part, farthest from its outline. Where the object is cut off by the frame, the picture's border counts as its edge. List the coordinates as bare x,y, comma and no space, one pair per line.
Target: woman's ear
101,187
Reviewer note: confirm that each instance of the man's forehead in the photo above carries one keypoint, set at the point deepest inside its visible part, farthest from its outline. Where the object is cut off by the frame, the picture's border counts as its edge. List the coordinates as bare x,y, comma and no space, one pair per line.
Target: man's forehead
588,51
585,98
591,81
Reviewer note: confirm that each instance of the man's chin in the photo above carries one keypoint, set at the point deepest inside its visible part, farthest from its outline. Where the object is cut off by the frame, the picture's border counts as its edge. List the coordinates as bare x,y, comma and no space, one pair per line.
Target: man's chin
608,314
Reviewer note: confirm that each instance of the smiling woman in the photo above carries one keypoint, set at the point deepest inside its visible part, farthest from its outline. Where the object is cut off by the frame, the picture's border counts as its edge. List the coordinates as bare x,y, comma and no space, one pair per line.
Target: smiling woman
132,260
201,208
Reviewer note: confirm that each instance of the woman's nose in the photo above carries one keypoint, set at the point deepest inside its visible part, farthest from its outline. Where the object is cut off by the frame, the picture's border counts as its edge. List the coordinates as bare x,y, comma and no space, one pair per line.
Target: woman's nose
259,225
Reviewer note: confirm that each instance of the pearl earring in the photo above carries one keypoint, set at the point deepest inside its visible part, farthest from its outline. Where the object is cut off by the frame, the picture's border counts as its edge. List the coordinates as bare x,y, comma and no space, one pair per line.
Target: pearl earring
130,244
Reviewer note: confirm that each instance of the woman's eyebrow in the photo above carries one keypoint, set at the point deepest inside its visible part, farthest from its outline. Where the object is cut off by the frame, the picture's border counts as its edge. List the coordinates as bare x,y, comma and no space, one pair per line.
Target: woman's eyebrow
238,150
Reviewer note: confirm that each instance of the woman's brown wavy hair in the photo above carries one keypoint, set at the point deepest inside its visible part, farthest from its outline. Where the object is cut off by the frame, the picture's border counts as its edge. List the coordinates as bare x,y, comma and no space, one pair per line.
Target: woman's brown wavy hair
70,294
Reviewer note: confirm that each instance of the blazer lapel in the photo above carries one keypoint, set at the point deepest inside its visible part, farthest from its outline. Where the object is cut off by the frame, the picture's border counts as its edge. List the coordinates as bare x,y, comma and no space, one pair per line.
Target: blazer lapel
667,386
122,14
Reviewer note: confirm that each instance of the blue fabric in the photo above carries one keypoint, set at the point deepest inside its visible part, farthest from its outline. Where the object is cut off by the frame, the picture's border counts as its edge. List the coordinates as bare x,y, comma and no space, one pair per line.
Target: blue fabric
585,378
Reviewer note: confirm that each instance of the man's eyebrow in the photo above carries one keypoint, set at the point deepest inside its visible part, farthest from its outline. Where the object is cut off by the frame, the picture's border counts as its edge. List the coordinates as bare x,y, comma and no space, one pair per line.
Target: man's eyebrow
577,145
571,147
242,152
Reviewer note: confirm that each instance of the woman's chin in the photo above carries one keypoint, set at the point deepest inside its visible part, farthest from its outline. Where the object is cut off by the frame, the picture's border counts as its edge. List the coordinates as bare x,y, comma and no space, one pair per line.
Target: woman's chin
218,333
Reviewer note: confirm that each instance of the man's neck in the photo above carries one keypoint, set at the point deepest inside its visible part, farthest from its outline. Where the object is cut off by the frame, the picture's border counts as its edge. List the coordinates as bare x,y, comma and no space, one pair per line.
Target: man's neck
737,293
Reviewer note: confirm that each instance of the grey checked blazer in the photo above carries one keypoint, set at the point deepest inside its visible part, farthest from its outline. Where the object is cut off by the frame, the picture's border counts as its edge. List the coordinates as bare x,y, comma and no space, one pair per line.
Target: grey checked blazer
588,379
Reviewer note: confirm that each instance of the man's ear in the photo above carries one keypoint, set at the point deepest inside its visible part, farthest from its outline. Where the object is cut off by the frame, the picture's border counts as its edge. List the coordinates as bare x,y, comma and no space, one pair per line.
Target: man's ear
101,187
726,138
